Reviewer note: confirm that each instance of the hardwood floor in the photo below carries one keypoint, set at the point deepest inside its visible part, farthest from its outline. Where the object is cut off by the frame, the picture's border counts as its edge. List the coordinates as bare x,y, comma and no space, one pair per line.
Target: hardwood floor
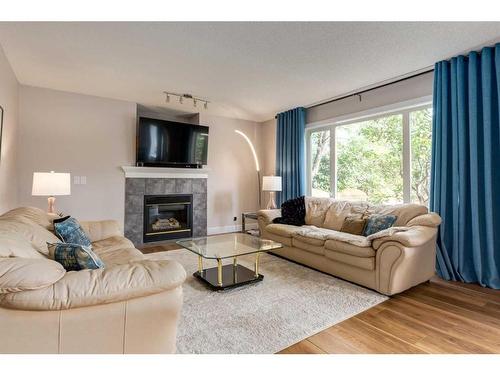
435,317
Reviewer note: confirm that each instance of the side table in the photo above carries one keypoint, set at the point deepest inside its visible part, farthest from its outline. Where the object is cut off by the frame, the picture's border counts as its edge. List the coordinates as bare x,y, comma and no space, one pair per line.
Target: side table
244,217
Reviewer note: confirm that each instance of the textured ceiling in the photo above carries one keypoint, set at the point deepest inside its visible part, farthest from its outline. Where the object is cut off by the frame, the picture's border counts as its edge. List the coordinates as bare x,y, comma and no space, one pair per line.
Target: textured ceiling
248,70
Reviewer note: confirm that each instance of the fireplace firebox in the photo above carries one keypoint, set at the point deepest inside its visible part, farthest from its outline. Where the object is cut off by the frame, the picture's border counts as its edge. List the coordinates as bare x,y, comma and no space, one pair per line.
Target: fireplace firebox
168,217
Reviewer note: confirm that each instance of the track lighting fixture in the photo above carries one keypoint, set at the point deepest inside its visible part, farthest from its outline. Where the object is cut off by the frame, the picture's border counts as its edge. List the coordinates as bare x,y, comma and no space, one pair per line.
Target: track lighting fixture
186,96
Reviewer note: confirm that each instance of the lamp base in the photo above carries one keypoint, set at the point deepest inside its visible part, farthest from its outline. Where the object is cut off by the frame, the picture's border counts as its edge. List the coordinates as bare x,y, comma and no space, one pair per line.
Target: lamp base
271,204
52,205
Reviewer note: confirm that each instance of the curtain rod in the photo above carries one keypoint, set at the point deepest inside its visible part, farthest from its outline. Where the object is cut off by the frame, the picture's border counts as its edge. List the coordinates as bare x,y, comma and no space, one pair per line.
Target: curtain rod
368,89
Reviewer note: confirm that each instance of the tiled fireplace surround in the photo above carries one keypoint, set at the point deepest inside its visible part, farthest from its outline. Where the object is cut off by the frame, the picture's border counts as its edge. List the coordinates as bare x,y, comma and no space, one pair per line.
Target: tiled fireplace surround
137,188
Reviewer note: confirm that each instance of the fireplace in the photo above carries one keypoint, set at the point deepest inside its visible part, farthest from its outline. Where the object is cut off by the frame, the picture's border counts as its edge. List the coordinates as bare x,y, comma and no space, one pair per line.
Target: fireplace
167,217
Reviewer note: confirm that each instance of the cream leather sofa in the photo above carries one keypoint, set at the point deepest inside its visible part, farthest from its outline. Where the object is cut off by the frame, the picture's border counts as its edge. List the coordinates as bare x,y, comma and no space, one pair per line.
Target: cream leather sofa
391,262
130,306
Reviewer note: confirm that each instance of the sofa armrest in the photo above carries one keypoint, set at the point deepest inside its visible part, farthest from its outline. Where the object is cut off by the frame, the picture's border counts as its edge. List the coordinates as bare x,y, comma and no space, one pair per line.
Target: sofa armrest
267,216
100,230
405,259
101,286
413,237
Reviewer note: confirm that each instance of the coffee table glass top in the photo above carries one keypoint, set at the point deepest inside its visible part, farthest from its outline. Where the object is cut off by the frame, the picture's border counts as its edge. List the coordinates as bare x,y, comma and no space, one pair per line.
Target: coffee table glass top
228,245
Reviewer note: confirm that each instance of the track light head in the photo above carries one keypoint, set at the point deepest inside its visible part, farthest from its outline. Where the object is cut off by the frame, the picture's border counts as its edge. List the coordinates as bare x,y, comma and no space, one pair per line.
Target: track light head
186,96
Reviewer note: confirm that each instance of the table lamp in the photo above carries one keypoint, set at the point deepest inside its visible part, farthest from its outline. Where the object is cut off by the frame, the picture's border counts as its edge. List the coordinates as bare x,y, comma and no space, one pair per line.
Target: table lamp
51,184
271,184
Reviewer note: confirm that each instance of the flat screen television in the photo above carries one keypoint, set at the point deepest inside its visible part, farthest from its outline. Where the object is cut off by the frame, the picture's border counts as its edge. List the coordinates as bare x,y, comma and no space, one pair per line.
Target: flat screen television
162,143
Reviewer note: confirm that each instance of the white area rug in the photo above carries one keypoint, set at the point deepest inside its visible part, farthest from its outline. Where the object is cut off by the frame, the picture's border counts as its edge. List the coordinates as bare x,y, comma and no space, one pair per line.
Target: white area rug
291,303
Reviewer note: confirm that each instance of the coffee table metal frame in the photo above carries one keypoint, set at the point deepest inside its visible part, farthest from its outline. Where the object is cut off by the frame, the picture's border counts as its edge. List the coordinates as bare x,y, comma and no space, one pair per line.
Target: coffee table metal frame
230,275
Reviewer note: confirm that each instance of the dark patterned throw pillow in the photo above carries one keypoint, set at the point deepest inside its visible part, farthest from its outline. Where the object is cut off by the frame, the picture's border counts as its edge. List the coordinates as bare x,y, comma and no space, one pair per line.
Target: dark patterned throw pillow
376,223
69,230
74,257
293,212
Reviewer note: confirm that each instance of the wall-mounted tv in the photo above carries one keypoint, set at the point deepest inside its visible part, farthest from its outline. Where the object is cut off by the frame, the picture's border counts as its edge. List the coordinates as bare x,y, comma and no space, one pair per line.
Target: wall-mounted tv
162,143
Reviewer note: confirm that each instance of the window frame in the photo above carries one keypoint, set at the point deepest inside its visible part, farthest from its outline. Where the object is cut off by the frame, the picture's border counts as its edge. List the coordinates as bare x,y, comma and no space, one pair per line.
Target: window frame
402,108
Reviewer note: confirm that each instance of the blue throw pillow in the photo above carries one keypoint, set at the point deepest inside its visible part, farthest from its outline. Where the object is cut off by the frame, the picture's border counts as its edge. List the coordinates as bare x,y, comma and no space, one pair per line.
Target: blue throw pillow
69,230
74,257
376,223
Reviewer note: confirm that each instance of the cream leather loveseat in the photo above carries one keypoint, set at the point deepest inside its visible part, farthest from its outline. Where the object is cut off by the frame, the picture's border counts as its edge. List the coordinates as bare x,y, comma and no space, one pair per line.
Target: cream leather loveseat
130,306
389,262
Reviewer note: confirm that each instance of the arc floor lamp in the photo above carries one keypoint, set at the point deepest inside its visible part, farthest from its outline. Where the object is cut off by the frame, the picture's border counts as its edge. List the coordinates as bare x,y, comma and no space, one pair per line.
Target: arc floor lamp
257,167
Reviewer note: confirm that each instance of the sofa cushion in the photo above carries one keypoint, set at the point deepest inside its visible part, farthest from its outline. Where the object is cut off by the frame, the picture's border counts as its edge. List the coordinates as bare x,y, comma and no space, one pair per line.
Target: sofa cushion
14,245
101,230
70,231
308,246
354,224
112,243
19,274
285,241
74,257
120,256
34,214
339,210
283,230
403,212
306,237
340,246
367,263
34,233
377,222
317,236
316,209
95,287
293,212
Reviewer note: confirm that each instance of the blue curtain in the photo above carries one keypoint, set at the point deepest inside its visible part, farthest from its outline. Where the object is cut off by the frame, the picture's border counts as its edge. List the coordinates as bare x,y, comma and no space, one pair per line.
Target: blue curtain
465,176
290,153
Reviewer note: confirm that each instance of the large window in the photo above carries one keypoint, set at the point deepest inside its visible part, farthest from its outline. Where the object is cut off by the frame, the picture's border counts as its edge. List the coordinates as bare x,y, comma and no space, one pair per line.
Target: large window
320,163
420,134
380,159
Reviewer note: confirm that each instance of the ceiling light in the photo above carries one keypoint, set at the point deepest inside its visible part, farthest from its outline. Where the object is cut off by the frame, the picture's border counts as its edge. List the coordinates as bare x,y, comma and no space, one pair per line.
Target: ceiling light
181,97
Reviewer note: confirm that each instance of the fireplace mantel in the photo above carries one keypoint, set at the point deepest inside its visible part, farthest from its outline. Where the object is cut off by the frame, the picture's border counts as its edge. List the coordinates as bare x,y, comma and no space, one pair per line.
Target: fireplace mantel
158,172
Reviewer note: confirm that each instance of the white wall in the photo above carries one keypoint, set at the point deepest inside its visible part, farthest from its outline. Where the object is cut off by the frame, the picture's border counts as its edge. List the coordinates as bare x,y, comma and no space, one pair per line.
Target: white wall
232,183
93,137
414,88
9,88
85,135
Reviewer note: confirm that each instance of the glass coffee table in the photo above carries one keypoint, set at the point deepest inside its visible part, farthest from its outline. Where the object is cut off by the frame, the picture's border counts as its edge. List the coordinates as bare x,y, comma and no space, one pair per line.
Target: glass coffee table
228,246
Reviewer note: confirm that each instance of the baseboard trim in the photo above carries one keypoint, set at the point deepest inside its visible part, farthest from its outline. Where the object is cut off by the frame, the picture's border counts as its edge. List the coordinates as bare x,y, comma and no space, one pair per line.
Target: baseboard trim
230,228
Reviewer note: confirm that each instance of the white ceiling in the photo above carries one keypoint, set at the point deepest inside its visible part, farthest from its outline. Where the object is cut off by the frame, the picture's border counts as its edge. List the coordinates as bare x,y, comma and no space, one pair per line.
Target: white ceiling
248,70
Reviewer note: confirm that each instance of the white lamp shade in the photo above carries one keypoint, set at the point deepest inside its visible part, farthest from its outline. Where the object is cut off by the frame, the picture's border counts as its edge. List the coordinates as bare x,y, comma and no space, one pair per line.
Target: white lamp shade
271,183
51,184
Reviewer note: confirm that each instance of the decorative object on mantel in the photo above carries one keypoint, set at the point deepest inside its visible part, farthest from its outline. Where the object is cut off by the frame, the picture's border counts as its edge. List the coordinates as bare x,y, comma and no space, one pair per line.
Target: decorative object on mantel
1,127
181,97
272,184
257,167
51,184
